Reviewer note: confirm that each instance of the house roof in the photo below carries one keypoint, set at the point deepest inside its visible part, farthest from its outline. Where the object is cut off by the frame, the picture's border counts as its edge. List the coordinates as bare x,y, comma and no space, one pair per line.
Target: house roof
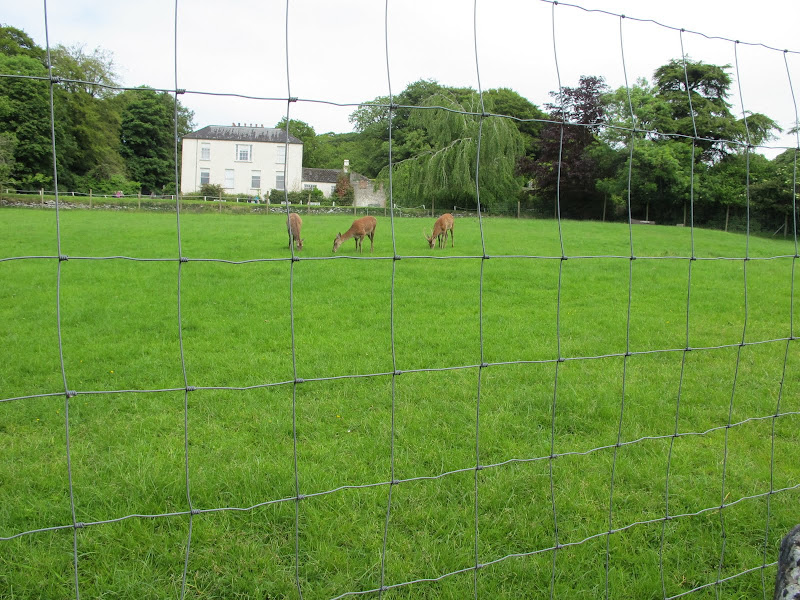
321,175
242,134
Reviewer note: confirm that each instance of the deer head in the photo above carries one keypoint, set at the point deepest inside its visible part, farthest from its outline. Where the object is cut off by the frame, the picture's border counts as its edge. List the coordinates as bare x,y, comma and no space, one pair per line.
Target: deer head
430,238
337,241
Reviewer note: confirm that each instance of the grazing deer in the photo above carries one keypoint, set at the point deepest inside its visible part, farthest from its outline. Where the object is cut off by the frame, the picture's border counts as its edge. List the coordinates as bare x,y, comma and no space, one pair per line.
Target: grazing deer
293,226
440,228
361,228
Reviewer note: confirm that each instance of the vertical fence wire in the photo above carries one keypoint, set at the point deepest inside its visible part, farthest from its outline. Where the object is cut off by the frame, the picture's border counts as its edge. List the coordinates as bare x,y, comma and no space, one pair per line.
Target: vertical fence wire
551,460
627,319
294,260
395,372
687,342
725,455
61,260
482,363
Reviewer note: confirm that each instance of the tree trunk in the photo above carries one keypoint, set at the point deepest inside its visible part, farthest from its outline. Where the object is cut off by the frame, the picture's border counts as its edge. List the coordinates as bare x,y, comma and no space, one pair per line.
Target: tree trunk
684,214
727,215
605,201
785,225
647,211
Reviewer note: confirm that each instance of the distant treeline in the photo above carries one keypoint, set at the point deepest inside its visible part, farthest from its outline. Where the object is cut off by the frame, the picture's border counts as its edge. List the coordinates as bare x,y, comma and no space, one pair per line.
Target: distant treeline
670,149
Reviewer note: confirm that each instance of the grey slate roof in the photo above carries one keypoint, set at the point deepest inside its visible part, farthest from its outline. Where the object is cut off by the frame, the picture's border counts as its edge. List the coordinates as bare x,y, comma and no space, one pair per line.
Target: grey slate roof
321,175
242,134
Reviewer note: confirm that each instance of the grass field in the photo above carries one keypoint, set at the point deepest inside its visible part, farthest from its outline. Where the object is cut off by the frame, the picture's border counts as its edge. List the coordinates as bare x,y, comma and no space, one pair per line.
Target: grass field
125,345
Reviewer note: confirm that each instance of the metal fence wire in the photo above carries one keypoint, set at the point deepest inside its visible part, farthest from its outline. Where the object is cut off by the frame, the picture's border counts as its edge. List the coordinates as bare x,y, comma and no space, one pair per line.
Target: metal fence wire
390,483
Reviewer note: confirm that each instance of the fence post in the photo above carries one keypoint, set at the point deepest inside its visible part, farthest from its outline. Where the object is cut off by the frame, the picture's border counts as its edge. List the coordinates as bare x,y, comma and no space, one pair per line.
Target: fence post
41,196
90,197
518,206
139,200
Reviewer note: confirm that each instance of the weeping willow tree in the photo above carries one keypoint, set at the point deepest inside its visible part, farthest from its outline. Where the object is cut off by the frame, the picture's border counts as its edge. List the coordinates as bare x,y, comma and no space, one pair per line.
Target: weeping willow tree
443,169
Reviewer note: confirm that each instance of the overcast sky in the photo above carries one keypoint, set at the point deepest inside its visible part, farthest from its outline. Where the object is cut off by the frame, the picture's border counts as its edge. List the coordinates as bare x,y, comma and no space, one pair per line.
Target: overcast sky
337,51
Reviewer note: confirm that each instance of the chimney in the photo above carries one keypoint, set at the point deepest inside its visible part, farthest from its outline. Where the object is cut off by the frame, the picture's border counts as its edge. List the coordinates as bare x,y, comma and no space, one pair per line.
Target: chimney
346,167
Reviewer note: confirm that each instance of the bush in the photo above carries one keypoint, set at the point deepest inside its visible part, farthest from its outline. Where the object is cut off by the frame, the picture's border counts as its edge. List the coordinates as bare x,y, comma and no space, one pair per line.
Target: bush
213,190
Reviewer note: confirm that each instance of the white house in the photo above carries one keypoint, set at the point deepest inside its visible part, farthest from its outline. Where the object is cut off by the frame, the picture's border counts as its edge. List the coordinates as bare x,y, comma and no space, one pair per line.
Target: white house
321,179
247,160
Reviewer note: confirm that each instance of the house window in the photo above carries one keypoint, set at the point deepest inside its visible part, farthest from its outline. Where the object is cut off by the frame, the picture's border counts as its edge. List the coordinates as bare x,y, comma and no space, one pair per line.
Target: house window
205,176
309,186
244,152
255,180
205,151
228,179
280,156
280,180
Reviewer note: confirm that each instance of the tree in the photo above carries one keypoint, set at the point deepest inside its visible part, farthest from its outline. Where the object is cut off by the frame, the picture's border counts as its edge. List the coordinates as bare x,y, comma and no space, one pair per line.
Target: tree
25,118
344,191
658,179
708,119
566,167
8,142
445,170
371,121
147,136
529,118
91,116
15,42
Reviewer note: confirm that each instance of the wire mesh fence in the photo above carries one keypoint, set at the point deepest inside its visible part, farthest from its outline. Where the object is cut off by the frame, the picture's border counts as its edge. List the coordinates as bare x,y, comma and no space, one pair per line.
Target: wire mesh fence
381,500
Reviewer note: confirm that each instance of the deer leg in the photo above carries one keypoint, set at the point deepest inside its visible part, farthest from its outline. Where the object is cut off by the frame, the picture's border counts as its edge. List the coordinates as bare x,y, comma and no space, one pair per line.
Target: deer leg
371,241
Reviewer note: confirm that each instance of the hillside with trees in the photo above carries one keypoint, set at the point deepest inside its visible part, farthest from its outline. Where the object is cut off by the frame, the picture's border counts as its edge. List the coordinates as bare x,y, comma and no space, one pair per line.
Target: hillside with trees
661,147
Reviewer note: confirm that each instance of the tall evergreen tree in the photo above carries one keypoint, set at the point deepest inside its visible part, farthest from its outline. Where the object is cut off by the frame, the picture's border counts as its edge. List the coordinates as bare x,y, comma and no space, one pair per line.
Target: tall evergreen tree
147,137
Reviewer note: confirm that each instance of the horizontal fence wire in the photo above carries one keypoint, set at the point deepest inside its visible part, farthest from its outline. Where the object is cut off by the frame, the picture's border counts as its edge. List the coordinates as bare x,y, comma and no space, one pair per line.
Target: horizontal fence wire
552,458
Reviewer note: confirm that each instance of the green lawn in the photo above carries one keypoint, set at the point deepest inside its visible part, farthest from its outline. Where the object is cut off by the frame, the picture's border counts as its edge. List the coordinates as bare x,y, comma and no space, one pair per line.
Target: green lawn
126,340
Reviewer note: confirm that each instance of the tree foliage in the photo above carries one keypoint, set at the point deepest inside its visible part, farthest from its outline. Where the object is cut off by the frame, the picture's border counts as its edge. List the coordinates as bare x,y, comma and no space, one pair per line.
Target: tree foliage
147,137
566,166
88,121
446,167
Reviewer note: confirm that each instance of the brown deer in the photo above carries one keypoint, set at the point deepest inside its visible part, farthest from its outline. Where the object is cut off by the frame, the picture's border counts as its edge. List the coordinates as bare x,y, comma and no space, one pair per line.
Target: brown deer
361,228
440,228
293,226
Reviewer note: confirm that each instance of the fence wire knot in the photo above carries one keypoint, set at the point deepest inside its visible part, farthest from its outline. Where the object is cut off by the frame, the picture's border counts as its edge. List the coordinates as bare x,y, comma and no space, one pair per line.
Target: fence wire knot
63,257
71,393
191,388
183,259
